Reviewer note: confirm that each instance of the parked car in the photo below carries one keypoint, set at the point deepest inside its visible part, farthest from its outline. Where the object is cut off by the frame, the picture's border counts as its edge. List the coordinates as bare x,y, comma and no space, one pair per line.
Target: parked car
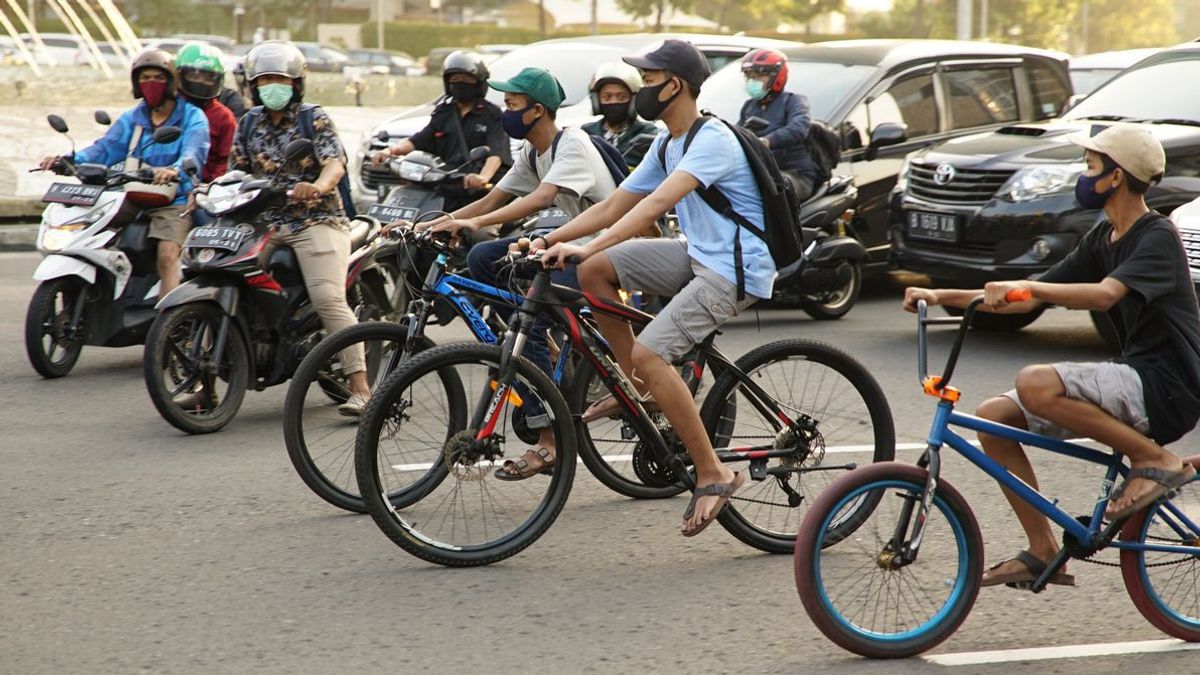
61,49
571,60
888,98
322,57
1001,205
381,61
1090,71
173,44
219,41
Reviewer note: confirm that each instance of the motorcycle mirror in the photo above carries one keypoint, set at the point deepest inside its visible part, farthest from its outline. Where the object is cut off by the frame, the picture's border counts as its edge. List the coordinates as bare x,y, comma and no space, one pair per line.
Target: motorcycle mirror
756,124
166,134
297,149
57,123
190,167
476,154
102,118
384,136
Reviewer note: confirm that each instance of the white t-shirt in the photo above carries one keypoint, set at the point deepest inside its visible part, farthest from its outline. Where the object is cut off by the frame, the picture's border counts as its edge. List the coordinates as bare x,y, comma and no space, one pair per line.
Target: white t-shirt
577,169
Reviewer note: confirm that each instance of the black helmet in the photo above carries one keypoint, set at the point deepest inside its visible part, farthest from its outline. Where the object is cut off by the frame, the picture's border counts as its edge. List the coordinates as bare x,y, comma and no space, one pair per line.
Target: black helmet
470,63
276,57
154,58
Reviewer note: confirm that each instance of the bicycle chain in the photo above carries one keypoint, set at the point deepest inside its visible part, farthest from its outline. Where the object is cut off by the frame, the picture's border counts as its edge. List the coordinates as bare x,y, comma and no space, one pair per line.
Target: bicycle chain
1105,563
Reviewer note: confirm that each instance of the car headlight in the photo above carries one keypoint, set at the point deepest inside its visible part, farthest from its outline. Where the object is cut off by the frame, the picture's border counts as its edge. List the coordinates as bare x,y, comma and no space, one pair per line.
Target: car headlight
1037,181
57,238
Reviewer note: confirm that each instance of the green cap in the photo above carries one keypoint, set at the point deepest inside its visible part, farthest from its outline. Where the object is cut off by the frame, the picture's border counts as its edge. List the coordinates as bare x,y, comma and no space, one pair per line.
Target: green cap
536,83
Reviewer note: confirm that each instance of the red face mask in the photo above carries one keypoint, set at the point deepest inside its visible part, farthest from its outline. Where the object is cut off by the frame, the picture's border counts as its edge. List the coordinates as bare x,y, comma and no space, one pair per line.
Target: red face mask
153,92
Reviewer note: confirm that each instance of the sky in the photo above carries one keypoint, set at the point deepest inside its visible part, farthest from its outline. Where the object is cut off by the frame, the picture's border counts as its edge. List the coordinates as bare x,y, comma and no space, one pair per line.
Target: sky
869,5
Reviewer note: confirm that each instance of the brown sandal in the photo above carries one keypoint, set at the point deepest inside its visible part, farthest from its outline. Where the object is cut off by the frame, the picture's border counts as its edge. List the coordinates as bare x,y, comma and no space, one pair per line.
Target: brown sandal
610,408
722,490
1168,482
526,467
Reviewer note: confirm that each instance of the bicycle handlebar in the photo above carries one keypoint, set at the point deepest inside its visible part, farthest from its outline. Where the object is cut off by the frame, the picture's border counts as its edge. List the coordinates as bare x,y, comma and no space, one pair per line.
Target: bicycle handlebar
964,323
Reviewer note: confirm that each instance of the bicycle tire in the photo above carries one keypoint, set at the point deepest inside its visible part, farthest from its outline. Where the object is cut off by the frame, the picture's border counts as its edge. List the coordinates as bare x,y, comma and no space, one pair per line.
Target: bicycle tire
342,494
714,414
811,547
1134,571
390,519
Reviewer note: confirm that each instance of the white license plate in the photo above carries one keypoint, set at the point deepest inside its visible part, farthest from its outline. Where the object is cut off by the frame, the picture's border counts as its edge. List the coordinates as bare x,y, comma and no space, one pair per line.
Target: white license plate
390,214
935,226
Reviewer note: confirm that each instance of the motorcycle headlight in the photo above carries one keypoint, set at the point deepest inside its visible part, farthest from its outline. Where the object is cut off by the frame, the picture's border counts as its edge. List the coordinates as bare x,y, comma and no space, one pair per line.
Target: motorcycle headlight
225,201
57,238
411,171
1037,181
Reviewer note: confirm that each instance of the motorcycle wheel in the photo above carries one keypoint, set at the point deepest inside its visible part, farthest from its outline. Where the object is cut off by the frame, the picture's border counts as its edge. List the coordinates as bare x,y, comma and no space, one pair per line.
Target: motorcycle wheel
49,318
182,380
837,303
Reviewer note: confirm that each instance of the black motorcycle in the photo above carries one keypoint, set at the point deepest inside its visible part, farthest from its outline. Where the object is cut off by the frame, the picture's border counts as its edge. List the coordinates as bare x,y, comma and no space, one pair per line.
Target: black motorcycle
425,181
238,321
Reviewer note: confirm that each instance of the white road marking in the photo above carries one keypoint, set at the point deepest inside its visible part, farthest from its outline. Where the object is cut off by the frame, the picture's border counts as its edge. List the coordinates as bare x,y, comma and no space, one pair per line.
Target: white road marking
1064,652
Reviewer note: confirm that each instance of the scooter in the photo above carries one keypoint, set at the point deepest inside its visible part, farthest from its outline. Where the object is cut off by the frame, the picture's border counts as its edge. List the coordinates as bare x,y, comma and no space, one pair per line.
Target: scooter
826,280
243,318
426,178
99,281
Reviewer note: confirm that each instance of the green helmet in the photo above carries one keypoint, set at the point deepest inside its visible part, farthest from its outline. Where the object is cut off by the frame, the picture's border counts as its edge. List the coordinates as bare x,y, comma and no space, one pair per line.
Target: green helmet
201,72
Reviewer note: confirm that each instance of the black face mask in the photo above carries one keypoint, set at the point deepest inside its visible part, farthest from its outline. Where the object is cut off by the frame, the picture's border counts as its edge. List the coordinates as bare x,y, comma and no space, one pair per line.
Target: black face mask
647,104
464,92
615,114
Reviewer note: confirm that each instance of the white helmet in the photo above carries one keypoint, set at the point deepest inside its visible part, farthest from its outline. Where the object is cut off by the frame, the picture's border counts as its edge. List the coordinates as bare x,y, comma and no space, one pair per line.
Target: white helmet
616,71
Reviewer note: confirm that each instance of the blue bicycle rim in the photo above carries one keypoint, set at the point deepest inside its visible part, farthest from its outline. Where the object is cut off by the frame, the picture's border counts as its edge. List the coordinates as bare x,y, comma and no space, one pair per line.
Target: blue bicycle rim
1193,623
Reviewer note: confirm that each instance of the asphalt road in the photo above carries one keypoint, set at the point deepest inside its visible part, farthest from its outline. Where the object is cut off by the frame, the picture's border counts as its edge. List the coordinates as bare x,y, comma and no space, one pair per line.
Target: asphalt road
127,546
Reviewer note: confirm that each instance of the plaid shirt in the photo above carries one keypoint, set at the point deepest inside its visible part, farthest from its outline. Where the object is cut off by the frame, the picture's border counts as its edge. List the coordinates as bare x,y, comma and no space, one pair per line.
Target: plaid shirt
262,154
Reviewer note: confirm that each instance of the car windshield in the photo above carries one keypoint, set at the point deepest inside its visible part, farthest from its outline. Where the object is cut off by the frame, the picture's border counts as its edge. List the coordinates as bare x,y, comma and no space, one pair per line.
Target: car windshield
1084,82
1149,92
825,84
571,64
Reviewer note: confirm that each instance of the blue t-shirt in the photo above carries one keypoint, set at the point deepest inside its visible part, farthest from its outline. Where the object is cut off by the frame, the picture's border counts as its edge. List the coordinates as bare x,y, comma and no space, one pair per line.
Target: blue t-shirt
714,158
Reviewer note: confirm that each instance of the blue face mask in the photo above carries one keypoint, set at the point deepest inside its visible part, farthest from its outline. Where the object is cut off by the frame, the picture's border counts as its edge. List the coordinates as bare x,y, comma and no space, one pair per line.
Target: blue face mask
513,122
275,96
756,89
1085,189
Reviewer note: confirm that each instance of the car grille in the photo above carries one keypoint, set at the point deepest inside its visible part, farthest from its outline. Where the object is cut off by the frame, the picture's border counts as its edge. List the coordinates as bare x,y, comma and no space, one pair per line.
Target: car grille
1191,244
967,187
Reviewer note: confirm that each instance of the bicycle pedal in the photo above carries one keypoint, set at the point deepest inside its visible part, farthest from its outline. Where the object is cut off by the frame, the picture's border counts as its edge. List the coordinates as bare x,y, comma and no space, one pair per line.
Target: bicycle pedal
758,469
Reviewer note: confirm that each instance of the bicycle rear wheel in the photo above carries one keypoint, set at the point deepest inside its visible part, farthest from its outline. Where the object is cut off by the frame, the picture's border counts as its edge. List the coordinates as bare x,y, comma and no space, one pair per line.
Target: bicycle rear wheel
1162,585
854,426
857,595
460,513
320,441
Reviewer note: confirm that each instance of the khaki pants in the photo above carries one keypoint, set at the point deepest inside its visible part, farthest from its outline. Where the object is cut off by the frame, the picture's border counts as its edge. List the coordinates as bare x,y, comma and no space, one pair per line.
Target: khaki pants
323,253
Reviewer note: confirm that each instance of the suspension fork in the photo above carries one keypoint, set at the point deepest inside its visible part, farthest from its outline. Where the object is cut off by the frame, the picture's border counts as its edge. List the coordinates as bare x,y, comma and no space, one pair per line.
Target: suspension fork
77,311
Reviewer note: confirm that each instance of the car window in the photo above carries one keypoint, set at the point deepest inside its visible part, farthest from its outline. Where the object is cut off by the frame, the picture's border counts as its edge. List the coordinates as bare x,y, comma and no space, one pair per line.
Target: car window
827,86
1148,92
1088,80
61,42
981,97
909,101
1050,93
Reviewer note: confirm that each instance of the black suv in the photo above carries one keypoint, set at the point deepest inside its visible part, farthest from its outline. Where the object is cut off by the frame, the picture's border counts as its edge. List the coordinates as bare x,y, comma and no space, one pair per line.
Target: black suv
889,98
1002,205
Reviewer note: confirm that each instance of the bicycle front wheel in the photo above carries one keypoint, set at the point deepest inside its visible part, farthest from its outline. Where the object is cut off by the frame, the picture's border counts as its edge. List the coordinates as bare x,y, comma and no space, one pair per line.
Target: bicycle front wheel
858,593
1162,584
853,423
459,512
320,440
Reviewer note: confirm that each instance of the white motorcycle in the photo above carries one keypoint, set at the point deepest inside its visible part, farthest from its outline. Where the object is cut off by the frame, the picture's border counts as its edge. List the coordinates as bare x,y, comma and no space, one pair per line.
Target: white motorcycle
99,280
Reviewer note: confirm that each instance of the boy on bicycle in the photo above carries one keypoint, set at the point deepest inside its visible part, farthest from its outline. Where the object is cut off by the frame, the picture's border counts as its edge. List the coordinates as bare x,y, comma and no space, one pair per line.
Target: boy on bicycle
1133,266
700,275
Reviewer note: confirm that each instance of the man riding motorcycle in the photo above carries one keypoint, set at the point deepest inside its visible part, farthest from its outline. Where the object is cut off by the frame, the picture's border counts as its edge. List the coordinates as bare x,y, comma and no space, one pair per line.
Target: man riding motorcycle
787,116
463,120
156,83
612,90
200,76
313,222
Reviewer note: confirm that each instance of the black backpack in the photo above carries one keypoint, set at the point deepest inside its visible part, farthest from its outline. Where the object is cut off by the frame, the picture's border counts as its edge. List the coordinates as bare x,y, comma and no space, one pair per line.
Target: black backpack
780,206
825,148
309,130
613,160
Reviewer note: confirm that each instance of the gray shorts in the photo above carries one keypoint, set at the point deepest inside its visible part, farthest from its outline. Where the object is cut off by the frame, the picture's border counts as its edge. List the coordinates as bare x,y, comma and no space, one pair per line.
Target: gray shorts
700,299
1115,387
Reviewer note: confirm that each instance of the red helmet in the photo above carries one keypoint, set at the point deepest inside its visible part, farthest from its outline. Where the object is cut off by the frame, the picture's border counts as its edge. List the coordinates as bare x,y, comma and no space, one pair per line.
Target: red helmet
768,62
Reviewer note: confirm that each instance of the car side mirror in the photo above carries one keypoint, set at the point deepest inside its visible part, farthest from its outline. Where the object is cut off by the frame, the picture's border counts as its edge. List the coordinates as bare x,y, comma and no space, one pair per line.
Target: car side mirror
481,152
166,134
885,134
297,149
102,118
58,124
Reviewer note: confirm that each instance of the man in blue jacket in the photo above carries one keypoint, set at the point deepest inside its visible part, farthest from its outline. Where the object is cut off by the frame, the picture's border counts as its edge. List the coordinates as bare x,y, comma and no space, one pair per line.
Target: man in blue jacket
787,116
128,142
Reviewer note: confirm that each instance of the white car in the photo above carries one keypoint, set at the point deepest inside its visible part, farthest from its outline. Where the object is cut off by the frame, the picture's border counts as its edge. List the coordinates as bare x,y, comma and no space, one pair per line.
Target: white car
1187,221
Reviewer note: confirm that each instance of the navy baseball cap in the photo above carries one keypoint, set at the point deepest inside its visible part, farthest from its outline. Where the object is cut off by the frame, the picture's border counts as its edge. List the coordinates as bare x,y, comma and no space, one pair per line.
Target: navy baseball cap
679,57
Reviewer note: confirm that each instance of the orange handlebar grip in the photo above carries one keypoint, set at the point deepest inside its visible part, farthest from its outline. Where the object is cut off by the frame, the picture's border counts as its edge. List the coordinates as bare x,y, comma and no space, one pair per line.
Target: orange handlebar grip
1019,295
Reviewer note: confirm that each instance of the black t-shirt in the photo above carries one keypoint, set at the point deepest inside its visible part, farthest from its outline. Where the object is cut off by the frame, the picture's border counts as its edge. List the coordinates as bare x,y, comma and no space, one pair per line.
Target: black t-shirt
1158,319
444,134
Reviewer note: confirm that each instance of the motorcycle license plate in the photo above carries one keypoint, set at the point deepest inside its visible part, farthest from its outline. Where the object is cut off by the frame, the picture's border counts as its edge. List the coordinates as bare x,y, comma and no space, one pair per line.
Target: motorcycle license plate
935,226
552,218
390,214
209,236
73,194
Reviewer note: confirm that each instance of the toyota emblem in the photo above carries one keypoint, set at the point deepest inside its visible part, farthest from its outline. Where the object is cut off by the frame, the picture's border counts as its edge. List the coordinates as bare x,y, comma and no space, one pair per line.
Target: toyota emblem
944,174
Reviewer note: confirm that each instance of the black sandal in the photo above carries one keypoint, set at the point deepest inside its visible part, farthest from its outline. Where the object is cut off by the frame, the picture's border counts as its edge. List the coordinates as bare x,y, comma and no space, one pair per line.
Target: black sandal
1034,567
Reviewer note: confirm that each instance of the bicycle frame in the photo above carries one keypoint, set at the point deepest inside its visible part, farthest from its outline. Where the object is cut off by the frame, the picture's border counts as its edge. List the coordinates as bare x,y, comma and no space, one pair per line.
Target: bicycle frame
1092,536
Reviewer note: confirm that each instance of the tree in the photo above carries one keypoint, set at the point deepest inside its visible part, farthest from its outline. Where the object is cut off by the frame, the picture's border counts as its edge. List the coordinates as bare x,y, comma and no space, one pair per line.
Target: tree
1109,22
641,9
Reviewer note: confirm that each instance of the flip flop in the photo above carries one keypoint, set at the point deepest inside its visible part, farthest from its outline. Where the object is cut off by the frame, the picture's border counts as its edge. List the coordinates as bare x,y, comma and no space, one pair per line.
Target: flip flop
524,467
1167,483
1033,569
722,490
610,408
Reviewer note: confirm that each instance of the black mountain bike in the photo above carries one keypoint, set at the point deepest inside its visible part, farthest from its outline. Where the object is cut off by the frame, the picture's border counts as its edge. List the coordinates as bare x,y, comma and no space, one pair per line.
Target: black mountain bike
436,431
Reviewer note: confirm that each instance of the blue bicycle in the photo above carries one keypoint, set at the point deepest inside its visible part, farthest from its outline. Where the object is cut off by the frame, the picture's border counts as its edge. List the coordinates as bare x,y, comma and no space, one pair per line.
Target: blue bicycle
908,577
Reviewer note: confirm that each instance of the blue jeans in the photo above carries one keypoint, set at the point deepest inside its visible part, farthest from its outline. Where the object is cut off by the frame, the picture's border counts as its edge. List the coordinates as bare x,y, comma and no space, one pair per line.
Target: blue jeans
480,260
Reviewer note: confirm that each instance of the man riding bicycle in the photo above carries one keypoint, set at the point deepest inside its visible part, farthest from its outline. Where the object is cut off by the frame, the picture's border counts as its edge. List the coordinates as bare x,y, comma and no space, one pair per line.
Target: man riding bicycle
1133,266
701,276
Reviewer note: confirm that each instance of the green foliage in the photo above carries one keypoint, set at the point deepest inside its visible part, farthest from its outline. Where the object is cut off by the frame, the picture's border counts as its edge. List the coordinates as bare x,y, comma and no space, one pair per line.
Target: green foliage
418,38
642,9
1109,22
